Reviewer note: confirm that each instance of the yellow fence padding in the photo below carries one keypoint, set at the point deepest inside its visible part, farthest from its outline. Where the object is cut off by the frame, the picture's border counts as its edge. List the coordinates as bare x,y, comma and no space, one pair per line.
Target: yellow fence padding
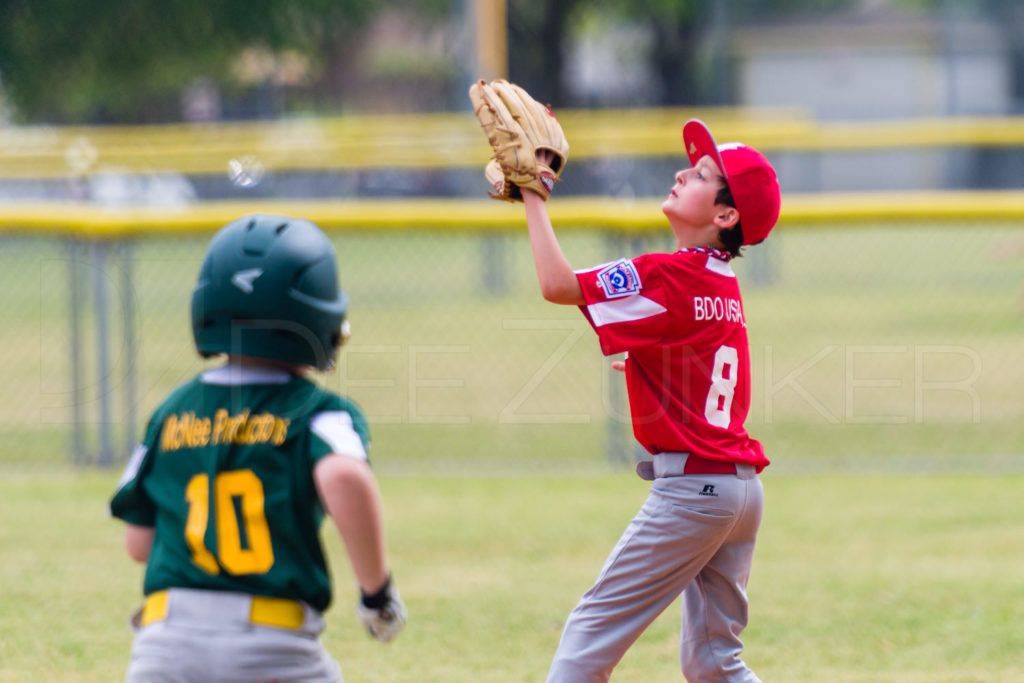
451,140
454,215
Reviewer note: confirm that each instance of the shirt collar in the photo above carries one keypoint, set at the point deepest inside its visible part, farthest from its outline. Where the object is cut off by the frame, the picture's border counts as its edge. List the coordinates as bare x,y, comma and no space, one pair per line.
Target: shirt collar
236,375
719,254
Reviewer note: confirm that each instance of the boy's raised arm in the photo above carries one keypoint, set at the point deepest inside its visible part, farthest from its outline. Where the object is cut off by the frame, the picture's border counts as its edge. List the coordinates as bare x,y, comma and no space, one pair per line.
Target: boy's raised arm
558,283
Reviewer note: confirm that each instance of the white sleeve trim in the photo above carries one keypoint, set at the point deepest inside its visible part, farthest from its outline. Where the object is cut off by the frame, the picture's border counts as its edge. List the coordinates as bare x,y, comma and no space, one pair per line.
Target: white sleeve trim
635,307
132,468
336,429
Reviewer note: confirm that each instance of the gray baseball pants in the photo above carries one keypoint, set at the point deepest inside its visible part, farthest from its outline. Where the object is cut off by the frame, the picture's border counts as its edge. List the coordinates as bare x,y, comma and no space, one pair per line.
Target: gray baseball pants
694,535
207,636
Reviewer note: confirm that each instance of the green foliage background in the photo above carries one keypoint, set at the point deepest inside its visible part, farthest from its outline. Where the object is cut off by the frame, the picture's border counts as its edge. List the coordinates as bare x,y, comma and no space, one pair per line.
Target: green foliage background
119,61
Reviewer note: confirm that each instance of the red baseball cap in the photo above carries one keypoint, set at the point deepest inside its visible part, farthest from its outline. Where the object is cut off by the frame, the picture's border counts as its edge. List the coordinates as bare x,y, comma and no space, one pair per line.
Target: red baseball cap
751,179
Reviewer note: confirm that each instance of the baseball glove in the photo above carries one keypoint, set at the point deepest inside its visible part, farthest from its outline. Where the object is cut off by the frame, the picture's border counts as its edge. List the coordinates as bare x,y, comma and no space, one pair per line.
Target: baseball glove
517,126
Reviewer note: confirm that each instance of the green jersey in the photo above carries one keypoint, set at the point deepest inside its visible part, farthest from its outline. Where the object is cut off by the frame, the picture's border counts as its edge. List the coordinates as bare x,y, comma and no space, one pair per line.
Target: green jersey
225,477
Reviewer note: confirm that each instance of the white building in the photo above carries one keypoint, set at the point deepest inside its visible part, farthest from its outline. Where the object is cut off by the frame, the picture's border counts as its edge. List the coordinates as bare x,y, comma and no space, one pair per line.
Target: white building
876,64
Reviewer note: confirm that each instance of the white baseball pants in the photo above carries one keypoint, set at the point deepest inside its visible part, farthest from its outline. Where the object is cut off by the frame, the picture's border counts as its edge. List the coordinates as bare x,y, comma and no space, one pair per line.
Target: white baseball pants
207,636
694,535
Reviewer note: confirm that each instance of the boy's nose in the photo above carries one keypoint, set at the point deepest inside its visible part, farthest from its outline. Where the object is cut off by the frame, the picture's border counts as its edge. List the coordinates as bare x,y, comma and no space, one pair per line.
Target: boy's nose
681,176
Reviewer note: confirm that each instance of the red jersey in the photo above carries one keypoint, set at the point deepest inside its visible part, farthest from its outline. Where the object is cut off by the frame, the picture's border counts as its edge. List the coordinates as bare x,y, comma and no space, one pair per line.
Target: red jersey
680,319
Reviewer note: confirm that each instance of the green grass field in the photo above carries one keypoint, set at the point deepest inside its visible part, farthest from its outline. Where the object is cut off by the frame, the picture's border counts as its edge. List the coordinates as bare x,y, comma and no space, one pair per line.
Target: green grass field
875,577
887,369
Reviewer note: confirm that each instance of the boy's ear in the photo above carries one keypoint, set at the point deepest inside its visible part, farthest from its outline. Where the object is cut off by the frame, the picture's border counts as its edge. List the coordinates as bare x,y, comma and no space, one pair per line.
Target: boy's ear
726,216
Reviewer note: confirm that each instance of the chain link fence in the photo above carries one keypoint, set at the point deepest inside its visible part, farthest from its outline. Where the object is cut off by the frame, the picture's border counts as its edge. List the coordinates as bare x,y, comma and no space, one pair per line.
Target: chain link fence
872,345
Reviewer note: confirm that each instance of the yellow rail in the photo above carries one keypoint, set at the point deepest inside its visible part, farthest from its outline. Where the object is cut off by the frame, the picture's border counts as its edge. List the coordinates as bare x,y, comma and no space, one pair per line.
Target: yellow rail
448,215
454,140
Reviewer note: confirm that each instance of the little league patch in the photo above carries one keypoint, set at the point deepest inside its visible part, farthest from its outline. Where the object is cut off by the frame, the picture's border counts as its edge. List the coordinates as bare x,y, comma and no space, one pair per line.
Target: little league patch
619,279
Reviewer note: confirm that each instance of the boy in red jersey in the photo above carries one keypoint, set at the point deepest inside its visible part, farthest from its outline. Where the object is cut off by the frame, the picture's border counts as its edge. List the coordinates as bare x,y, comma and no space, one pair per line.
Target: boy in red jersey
679,318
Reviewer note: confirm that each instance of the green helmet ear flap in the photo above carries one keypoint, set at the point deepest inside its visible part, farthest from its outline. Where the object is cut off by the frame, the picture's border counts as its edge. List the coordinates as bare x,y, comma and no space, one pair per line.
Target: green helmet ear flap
268,288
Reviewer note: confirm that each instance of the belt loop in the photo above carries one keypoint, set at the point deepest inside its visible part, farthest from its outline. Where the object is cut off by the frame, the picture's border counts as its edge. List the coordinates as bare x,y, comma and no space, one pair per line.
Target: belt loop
670,464
645,470
154,608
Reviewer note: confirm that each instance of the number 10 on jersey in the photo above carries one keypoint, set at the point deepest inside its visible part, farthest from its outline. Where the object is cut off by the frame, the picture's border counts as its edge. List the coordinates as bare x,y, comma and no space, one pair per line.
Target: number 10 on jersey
253,556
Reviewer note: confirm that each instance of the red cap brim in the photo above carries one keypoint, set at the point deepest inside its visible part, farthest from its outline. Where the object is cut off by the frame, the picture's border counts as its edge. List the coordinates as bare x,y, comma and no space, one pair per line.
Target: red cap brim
698,142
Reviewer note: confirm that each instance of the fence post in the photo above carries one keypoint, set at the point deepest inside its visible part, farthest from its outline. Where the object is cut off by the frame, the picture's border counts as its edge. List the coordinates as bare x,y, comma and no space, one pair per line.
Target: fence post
130,349
105,458
494,262
78,454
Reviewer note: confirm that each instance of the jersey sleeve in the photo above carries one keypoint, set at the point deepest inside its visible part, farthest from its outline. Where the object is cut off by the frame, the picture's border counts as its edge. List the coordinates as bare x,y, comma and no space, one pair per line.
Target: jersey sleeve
625,304
341,427
130,501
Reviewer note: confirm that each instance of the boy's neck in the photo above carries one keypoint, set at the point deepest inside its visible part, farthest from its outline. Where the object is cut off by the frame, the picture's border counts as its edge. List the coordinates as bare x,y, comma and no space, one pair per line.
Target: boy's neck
701,244
692,237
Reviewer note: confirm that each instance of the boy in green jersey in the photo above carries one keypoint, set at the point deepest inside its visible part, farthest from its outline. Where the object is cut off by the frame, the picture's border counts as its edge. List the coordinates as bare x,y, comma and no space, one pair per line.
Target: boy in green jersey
224,498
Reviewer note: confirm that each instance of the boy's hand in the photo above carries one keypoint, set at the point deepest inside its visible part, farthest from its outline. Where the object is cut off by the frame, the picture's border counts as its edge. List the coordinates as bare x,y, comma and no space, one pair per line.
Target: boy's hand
383,614
497,179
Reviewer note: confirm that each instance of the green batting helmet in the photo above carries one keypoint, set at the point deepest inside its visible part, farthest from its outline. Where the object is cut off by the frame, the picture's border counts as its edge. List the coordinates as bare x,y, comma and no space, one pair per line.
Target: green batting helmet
268,288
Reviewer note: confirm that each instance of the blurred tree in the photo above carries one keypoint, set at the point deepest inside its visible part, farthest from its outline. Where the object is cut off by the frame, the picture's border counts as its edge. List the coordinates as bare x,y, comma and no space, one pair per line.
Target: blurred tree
65,61
130,60
687,50
674,27
538,33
